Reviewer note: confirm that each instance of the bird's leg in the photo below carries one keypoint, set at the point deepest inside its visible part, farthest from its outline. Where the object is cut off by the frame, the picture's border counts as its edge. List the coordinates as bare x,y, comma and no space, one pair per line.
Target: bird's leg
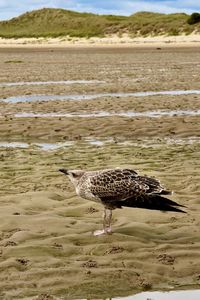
100,232
107,216
108,220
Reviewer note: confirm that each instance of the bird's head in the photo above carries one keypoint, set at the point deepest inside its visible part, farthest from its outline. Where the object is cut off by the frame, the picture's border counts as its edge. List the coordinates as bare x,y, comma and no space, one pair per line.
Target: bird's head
74,175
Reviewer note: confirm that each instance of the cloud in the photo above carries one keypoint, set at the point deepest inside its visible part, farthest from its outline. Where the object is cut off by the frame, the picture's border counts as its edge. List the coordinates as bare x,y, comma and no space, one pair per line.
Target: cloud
13,8
127,7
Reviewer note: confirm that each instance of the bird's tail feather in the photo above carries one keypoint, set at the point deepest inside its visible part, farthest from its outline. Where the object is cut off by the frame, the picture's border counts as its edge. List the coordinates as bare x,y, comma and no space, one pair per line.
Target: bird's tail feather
153,202
165,192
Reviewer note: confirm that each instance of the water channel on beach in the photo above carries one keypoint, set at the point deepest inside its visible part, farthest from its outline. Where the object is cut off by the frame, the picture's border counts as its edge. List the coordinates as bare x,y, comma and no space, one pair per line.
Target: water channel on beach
33,98
171,295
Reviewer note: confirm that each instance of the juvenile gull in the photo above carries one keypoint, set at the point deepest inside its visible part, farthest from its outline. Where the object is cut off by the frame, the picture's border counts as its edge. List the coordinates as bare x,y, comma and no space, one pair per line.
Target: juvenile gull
115,188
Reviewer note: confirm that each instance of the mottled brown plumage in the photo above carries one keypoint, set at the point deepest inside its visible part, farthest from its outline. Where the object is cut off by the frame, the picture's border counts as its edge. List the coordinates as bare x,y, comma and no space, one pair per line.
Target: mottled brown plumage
115,188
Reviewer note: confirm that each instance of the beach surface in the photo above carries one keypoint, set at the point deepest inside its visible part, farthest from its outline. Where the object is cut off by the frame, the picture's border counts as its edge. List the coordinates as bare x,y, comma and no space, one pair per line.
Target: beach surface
123,40
47,247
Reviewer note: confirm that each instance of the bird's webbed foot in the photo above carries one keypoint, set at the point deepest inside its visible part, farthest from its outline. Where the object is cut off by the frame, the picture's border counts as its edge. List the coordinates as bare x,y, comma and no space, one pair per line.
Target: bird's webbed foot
99,232
103,231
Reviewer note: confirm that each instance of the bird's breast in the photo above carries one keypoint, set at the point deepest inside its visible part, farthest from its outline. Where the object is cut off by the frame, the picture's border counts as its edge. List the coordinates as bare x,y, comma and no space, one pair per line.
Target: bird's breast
85,192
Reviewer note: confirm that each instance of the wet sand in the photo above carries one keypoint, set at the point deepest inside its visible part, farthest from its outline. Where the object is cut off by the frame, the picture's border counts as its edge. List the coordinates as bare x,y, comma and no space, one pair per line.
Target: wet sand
46,241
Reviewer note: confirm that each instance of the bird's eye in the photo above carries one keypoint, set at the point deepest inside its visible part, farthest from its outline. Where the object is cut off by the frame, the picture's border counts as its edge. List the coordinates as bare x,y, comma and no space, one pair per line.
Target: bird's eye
74,175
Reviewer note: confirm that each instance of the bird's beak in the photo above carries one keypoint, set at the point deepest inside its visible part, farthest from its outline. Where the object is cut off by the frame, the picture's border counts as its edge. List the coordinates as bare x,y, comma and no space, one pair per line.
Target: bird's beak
64,171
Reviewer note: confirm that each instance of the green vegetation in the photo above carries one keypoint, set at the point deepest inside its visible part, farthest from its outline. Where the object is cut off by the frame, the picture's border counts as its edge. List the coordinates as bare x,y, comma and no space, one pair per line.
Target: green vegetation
194,18
49,22
13,61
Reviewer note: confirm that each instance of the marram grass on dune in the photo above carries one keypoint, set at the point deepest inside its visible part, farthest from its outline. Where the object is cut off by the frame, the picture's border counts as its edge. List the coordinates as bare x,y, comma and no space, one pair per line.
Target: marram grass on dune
50,22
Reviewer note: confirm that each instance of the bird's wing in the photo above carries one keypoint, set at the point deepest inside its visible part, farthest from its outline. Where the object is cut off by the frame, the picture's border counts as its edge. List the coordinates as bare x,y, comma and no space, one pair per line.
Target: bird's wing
117,185
153,184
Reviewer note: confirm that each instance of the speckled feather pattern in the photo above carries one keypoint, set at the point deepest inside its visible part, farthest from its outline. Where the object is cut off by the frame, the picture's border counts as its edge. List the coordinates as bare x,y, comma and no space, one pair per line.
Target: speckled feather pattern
116,185
117,188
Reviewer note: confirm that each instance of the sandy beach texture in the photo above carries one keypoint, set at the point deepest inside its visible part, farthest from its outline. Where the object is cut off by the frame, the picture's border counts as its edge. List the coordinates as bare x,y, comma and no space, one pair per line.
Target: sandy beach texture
110,40
47,250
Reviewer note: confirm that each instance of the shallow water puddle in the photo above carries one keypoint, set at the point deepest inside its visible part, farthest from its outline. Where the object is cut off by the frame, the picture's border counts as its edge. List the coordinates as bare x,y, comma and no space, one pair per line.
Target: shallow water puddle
32,98
48,146
50,82
172,295
100,143
148,143
53,146
13,145
66,115
43,146
129,114
96,142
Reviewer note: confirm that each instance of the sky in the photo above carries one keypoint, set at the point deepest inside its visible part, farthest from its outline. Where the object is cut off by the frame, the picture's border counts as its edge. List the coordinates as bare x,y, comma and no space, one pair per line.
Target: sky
13,8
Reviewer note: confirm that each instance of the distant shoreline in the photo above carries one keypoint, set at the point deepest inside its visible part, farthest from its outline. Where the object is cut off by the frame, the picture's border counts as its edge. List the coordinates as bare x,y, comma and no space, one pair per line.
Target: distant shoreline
191,40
